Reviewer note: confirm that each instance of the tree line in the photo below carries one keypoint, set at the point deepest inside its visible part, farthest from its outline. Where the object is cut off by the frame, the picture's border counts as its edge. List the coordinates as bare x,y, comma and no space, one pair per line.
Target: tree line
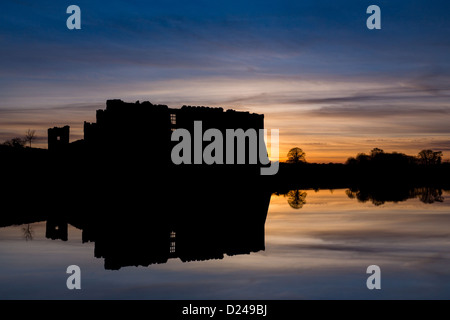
425,157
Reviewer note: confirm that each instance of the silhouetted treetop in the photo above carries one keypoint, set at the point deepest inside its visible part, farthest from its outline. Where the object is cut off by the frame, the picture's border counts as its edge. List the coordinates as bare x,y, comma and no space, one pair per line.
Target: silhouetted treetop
430,157
376,151
16,142
296,155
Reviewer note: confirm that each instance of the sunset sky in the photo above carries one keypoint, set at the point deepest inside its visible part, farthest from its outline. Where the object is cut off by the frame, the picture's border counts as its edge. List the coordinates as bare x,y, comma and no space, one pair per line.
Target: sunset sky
330,85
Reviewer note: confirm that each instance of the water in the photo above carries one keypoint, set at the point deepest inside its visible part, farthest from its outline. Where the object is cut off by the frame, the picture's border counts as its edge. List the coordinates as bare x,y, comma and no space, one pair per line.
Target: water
318,250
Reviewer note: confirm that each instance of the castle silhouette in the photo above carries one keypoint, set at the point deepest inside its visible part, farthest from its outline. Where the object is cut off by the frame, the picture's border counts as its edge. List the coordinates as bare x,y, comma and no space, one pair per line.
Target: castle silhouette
144,130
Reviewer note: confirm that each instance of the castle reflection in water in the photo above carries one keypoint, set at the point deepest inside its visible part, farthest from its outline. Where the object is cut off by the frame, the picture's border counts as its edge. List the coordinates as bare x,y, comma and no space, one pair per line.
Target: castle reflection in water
209,227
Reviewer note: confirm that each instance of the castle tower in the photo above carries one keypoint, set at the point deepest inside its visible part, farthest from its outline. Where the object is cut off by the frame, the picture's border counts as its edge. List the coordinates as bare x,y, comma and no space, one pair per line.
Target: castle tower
58,138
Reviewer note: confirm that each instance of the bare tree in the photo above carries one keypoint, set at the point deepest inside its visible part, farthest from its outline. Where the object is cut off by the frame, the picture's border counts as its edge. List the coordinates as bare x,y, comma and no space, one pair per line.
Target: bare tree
296,155
30,135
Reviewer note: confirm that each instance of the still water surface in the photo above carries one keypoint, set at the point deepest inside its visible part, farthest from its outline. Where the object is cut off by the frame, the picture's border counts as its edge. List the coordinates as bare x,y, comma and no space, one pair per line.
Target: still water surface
318,245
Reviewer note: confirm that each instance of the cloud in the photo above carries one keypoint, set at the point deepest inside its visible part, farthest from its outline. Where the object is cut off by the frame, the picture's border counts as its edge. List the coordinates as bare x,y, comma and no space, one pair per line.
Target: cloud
375,112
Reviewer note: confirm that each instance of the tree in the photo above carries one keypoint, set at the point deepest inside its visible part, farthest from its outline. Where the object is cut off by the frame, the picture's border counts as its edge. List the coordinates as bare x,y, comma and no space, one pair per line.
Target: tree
375,151
296,155
296,199
430,157
30,135
15,142
362,158
351,161
430,195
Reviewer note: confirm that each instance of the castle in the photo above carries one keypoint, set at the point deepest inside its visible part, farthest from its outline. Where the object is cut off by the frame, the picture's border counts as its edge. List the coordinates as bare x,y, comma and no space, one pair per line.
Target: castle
145,129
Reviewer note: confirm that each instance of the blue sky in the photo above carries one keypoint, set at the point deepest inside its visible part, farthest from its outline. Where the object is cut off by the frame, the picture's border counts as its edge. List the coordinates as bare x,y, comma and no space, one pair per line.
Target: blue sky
329,84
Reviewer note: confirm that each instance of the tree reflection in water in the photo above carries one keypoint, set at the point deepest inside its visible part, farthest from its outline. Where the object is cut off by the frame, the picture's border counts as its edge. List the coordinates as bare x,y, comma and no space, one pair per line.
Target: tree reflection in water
28,232
379,196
